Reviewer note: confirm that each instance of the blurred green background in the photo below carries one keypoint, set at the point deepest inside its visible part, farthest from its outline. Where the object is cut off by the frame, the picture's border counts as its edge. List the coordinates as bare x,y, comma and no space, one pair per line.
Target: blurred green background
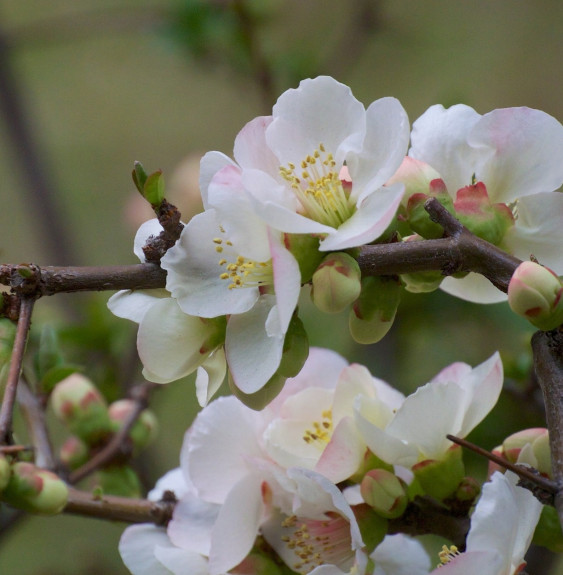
89,87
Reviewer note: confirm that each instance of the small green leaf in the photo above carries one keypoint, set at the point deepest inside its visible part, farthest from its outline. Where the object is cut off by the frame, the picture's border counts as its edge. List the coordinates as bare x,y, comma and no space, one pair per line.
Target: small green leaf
57,373
153,190
139,176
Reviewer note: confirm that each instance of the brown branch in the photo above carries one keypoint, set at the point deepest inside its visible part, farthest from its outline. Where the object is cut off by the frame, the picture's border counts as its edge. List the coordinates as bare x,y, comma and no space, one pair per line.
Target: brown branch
111,507
525,473
116,445
547,347
34,415
424,516
20,340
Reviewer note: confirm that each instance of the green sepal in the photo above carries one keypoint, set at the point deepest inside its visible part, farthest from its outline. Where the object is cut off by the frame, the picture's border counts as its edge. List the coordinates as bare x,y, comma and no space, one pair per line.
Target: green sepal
305,249
441,478
548,530
372,526
295,348
259,399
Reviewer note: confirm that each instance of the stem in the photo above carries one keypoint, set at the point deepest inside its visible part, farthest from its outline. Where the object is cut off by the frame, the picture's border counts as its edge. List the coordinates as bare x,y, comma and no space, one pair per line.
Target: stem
547,347
20,340
34,416
116,508
119,440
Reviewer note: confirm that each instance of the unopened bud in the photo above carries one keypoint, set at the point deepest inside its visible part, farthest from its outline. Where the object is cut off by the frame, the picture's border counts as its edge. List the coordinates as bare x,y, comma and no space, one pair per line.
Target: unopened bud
441,478
372,314
468,489
74,452
535,293
385,493
5,471
78,403
144,429
418,217
476,212
35,490
416,177
421,282
119,480
529,446
336,283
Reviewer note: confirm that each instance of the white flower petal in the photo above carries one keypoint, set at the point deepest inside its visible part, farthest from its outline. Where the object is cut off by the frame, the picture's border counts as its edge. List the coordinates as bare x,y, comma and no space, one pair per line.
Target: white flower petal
237,525
251,150
210,164
171,481
194,272
539,230
473,287
210,376
370,220
145,231
400,555
252,354
137,546
169,342
133,305
182,562
526,146
439,138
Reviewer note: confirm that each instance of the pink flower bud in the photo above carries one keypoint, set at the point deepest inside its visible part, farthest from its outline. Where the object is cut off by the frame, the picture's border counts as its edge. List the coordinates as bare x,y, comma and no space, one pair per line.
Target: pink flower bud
144,429
336,283
77,402
74,452
35,490
385,493
534,292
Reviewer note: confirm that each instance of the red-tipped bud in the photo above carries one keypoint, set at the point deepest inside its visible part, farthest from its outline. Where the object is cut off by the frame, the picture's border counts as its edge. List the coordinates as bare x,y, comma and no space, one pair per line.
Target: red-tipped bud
78,403
336,283
144,429
535,293
74,452
35,490
385,493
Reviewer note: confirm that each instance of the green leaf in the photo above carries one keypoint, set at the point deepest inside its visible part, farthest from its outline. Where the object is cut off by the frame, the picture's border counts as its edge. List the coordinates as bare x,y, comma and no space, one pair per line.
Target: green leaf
56,374
153,190
139,176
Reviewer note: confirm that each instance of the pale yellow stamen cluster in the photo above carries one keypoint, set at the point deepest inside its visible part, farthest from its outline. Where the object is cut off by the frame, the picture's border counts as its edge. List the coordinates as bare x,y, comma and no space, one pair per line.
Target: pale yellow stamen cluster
447,554
322,430
319,188
305,546
243,272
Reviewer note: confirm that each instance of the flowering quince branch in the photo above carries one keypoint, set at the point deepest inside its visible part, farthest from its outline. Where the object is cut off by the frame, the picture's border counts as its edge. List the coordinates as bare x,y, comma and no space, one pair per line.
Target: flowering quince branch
548,363
22,332
117,443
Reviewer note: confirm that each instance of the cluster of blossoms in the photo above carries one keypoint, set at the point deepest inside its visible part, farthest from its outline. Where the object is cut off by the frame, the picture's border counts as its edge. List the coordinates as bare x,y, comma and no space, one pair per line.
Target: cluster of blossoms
314,482
318,481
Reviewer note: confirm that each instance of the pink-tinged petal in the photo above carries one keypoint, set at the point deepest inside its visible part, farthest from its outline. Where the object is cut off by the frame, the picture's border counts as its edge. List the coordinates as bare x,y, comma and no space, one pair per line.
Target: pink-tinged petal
400,555
386,446
473,287
210,164
192,524
263,188
384,147
485,384
181,562
251,150
210,376
252,354
170,342
194,271
453,372
427,416
368,222
322,369
470,563
416,175
287,279
320,111
145,231
439,138
171,481
344,453
137,545
134,304
539,230
520,511
218,446
237,525
526,149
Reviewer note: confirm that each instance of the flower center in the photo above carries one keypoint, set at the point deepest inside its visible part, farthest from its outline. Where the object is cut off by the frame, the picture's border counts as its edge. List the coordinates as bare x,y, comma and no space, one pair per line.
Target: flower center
319,541
241,271
321,430
447,554
319,188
